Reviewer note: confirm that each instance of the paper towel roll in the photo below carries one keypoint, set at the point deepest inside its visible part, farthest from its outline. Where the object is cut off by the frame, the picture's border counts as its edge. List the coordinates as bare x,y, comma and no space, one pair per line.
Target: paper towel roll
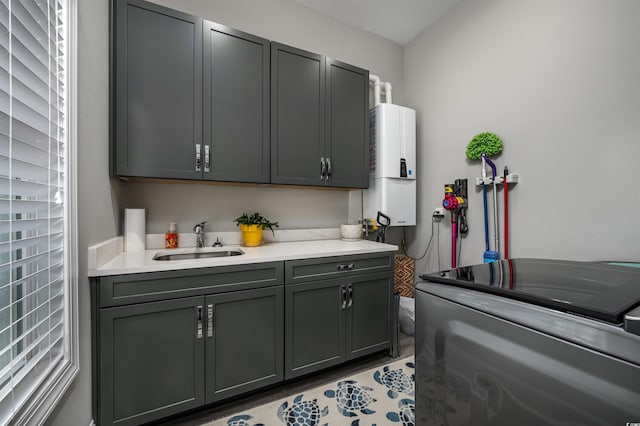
134,230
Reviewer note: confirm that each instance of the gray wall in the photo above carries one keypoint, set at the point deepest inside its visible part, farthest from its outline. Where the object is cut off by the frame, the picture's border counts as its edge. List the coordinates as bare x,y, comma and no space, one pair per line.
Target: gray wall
558,81
102,200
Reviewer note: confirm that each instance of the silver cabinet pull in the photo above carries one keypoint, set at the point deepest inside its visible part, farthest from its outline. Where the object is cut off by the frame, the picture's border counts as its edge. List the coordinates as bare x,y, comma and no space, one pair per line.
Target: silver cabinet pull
323,167
198,158
328,168
199,322
344,297
209,320
207,160
350,297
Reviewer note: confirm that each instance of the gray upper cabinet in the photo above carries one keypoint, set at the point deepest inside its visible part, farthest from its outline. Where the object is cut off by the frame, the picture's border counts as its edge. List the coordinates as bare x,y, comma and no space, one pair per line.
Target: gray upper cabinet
347,125
191,97
195,100
297,116
158,91
319,120
235,105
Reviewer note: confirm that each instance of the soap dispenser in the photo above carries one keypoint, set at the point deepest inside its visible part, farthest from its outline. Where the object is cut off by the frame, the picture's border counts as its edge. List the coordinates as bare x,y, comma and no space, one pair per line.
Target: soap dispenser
171,237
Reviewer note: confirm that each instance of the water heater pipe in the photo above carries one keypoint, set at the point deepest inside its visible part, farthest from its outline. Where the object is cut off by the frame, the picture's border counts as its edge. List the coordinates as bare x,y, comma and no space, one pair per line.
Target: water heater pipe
387,92
376,88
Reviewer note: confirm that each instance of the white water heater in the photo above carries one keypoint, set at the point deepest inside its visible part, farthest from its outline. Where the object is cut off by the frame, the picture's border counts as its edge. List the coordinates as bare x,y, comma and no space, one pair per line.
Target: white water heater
392,166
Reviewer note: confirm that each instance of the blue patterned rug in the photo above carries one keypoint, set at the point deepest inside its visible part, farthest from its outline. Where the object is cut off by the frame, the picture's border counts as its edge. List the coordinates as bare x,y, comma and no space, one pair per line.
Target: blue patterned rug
380,396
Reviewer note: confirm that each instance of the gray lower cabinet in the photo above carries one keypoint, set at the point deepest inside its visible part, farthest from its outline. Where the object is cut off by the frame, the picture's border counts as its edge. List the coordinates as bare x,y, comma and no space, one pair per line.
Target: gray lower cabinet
315,326
167,342
341,317
151,361
244,345
158,358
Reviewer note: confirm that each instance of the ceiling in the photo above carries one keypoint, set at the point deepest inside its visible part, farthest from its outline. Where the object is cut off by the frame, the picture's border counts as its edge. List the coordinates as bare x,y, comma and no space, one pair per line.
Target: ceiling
397,20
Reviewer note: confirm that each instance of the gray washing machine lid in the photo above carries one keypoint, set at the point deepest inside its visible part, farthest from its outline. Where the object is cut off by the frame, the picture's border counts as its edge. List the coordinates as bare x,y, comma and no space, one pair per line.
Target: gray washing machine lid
598,290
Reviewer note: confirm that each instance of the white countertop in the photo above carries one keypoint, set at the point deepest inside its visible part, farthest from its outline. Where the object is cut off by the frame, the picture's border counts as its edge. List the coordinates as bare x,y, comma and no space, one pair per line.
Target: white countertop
133,263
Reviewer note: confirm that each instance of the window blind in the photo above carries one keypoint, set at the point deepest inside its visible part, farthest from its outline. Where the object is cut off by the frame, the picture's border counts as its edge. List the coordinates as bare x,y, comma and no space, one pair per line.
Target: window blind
33,333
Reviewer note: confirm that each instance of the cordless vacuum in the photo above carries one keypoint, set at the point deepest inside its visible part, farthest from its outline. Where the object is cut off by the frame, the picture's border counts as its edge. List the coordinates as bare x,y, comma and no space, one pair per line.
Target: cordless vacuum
455,201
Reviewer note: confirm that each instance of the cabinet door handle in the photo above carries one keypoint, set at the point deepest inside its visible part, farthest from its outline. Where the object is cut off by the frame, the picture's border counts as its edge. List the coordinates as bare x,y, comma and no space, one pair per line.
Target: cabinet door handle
344,297
207,160
199,322
198,158
323,167
209,320
328,168
350,297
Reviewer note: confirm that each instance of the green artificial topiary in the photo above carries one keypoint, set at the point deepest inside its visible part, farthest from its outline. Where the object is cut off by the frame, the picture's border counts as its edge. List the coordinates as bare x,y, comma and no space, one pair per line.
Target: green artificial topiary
486,142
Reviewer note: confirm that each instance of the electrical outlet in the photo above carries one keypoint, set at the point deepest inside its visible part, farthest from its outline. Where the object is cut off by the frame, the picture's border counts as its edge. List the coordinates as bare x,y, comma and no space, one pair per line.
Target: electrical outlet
438,212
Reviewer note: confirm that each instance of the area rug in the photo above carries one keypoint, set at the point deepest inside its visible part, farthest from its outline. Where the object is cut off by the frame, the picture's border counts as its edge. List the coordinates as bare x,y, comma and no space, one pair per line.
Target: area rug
379,396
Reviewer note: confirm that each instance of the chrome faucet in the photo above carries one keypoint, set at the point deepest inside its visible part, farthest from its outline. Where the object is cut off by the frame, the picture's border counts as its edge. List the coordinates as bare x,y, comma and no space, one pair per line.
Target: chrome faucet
199,231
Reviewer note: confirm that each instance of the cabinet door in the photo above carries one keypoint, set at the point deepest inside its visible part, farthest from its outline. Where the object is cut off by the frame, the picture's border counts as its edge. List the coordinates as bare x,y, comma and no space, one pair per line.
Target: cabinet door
314,328
151,361
158,91
369,313
297,115
244,349
347,124
235,105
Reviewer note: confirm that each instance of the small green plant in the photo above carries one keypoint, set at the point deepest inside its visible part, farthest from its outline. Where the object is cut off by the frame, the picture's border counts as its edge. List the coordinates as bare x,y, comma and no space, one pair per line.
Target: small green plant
256,219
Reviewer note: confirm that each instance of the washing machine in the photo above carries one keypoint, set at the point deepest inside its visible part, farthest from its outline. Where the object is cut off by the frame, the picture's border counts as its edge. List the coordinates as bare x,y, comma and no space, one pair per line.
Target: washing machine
529,342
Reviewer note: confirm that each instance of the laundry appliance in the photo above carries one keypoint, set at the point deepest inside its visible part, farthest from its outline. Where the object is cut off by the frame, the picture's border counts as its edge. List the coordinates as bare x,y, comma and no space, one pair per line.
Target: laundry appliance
529,342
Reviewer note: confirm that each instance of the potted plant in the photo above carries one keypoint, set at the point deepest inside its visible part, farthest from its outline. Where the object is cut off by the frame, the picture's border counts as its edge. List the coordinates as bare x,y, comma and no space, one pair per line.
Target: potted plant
252,226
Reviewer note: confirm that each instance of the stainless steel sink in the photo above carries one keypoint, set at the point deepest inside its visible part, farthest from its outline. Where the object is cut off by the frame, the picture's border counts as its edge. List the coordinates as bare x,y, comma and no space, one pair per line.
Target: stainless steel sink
197,255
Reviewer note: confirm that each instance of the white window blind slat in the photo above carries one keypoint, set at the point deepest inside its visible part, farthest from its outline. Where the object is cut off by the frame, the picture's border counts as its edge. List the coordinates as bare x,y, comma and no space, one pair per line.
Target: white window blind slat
28,190
25,134
23,74
32,263
33,225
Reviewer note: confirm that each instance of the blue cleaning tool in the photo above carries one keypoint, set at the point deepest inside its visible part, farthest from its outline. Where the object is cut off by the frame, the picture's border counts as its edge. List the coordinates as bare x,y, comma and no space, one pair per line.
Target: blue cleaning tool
490,255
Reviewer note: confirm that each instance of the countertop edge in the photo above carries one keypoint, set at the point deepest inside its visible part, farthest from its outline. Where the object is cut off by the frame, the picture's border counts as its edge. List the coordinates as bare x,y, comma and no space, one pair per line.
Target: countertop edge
142,262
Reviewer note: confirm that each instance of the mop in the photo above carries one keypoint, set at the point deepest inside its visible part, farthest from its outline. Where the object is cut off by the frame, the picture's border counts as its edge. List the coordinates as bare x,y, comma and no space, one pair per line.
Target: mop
495,254
481,147
488,255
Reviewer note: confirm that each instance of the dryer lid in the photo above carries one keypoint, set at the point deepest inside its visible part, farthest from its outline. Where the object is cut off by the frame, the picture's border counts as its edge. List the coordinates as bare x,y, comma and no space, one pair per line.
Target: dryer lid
600,290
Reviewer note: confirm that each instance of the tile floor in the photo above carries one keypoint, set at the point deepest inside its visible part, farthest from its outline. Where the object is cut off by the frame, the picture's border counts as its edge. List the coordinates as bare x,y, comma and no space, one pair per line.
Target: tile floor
295,386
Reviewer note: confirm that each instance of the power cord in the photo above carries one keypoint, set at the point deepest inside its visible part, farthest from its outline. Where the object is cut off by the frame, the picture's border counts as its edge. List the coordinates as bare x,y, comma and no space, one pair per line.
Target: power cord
433,219
403,241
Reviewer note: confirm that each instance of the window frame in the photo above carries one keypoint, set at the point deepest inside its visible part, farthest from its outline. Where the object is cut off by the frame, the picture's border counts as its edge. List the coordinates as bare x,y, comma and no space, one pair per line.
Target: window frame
41,403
